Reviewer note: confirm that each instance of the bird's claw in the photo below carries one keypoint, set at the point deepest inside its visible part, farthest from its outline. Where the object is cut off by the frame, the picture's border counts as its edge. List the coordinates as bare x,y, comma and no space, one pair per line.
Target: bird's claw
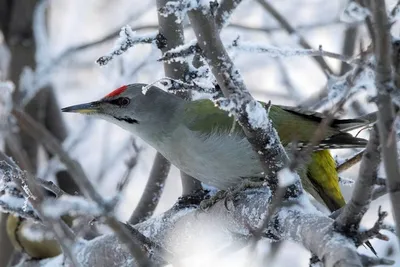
208,203
229,195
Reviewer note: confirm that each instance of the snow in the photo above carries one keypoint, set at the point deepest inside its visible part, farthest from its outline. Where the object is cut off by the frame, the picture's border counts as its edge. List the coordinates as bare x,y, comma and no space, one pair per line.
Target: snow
127,39
6,104
180,8
346,181
182,51
71,205
286,177
258,116
354,12
273,51
14,203
75,22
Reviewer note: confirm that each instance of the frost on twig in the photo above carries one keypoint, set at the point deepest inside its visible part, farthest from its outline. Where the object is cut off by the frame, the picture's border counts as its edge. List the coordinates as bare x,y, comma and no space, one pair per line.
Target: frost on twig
6,104
346,181
179,8
269,50
354,12
70,205
127,39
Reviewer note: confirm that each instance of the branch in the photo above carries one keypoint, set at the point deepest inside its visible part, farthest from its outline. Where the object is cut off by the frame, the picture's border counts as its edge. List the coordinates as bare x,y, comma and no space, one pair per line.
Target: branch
351,215
224,12
384,80
216,229
35,196
271,29
271,51
127,39
258,128
292,31
350,38
38,132
172,31
152,191
374,231
347,163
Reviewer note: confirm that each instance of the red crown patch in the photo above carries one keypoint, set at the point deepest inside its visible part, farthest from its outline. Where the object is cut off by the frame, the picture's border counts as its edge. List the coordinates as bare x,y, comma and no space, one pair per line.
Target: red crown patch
117,91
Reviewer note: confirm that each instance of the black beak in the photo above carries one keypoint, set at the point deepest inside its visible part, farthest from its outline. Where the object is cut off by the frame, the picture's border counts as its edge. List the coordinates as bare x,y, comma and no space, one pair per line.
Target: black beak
87,108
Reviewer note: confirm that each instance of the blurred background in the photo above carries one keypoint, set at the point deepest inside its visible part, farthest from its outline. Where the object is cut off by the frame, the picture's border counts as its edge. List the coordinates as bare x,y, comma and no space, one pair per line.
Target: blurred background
82,31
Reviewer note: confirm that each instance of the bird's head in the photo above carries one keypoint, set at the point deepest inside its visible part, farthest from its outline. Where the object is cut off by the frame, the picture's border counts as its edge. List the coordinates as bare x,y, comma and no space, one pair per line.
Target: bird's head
129,107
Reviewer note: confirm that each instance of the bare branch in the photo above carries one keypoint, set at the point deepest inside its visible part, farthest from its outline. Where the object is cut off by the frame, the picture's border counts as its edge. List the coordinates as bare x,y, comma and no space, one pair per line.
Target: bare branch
52,187
352,213
292,31
384,81
152,191
374,231
350,162
224,11
349,41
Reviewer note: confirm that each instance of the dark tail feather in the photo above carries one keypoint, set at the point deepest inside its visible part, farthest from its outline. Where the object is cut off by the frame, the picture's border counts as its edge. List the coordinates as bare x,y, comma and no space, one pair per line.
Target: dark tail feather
343,140
369,245
347,125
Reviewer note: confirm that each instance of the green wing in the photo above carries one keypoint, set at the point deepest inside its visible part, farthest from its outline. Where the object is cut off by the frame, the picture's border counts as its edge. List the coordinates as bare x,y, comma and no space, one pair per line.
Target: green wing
204,117
291,124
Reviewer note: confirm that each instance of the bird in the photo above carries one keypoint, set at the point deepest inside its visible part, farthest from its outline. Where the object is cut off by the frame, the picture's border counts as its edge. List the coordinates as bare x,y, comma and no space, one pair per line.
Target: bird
198,138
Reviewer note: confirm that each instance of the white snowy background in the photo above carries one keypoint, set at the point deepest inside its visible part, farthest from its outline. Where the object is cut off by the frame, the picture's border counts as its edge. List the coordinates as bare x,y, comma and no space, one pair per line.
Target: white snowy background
103,148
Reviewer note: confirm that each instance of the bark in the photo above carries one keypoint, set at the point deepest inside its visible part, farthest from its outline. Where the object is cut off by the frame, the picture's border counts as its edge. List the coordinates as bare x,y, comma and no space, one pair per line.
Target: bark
192,232
383,81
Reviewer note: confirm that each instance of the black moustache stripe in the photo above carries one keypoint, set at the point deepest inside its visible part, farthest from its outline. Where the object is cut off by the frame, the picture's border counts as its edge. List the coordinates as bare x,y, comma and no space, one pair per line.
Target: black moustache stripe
128,120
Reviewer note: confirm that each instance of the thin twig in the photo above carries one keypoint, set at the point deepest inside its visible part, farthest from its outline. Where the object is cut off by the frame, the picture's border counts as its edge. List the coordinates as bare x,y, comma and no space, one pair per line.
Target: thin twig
292,31
374,230
348,163
52,187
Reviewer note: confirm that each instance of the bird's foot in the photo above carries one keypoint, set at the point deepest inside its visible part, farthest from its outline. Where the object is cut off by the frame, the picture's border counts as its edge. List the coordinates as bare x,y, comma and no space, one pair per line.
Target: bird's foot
208,203
231,194
194,199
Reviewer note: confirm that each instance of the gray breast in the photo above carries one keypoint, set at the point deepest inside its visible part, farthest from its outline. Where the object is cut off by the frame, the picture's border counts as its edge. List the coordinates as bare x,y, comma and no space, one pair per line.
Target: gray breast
218,160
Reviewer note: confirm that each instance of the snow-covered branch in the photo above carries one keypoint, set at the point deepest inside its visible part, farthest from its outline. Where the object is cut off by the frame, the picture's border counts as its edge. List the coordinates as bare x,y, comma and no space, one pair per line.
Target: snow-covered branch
269,50
192,233
127,39
386,115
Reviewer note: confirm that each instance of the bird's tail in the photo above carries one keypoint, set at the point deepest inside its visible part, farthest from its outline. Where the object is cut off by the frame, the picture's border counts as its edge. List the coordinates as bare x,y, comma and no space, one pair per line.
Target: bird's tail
322,174
347,125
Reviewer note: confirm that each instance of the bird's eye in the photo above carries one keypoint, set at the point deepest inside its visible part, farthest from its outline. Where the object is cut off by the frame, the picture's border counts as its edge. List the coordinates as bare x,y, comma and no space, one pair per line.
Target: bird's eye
122,101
